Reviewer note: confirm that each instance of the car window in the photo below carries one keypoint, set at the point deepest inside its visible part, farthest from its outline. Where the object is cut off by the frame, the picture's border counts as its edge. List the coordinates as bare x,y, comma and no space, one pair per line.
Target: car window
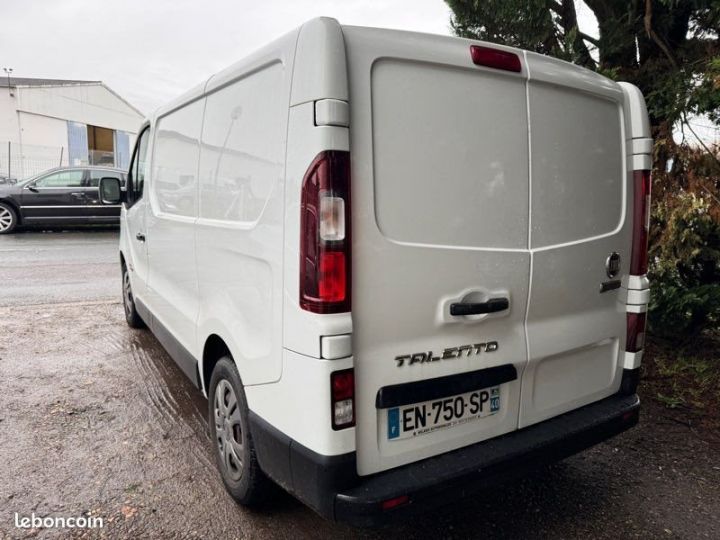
96,175
61,179
138,166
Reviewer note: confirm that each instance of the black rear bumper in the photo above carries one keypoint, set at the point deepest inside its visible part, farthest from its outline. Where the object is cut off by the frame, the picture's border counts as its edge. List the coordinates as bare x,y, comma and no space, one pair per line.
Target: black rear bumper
331,486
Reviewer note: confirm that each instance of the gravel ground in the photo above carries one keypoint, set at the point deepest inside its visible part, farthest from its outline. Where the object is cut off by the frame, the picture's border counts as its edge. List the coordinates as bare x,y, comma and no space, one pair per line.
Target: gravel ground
95,419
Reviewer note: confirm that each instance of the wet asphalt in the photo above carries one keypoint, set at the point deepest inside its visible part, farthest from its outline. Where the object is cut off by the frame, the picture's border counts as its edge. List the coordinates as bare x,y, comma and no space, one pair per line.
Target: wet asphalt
96,420
53,267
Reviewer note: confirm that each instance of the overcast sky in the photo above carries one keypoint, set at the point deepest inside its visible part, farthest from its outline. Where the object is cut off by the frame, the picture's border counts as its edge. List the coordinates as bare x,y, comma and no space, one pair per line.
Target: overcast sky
149,51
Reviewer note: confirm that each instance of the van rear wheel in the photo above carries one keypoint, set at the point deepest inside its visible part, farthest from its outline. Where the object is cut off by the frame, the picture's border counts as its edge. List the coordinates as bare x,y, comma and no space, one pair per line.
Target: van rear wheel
232,441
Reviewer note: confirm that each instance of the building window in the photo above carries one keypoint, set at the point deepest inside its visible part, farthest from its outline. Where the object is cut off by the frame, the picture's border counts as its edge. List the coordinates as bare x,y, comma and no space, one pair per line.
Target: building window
101,146
122,149
77,144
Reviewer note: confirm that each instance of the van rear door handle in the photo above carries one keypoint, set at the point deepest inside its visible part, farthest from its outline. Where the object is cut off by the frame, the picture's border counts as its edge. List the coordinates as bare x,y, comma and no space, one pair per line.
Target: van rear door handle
491,306
140,237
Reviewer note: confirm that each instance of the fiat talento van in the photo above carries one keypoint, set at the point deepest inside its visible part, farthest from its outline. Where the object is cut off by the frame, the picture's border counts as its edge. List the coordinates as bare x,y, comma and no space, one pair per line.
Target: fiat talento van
400,266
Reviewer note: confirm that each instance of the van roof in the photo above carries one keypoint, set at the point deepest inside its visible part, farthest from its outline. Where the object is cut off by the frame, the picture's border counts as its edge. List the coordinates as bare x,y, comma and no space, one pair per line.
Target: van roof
284,43
323,33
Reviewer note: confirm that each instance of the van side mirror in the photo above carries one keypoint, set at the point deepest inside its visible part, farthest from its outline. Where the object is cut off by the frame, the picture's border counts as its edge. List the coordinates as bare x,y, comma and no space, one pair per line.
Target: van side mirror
110,190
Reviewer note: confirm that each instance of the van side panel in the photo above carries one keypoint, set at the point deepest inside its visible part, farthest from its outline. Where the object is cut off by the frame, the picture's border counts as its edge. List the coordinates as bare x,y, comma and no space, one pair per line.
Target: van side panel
172,291
239,230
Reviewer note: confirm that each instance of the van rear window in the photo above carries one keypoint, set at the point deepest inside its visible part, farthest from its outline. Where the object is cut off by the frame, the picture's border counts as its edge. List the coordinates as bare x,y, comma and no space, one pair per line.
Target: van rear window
577,166
450,155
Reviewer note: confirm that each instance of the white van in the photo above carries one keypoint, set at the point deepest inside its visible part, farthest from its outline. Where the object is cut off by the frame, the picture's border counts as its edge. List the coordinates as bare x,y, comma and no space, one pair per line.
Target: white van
400,266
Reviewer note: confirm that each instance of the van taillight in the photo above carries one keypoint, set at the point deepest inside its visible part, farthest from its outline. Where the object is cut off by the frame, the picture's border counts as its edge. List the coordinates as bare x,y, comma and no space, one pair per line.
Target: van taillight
495,58
635,340
641,223
325,234
342,392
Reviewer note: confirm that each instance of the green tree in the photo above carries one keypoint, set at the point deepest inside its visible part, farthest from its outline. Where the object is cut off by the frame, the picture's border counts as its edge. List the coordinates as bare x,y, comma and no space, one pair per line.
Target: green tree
668,48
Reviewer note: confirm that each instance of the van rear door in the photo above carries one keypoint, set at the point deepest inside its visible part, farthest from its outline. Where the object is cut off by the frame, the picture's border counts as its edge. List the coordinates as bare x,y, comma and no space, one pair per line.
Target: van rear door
580,238
439,151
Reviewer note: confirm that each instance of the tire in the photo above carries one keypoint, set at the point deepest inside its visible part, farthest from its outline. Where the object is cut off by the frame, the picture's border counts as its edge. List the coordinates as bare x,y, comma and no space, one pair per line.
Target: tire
8,218
231,437
131,315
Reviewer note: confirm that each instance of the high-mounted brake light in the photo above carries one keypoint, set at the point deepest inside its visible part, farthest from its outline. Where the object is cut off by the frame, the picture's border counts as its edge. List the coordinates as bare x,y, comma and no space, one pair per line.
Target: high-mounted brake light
635,337
325,234
342,392
495,58
641,223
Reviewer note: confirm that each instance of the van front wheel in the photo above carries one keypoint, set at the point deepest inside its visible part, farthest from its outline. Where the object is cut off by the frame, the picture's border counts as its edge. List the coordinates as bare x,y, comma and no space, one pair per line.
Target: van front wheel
131,315
232,441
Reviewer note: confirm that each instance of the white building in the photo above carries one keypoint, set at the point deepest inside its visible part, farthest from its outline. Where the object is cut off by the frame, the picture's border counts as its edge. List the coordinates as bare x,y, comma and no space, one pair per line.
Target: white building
47,123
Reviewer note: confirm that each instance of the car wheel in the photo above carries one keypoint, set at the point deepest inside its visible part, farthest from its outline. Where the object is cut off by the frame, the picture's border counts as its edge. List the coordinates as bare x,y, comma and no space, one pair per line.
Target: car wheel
8,219
131,315
232,441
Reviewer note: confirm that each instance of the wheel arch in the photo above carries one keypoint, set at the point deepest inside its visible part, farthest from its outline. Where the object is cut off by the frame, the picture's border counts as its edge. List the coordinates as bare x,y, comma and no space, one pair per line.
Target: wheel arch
214,349
216,338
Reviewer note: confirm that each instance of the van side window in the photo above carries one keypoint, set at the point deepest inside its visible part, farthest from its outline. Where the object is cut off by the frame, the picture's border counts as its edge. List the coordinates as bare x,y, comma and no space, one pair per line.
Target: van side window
175,160
136,183
242,149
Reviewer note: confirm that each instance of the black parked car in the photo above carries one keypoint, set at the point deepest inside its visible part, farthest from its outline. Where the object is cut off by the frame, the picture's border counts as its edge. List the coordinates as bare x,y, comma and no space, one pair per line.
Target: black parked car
62,196
4,179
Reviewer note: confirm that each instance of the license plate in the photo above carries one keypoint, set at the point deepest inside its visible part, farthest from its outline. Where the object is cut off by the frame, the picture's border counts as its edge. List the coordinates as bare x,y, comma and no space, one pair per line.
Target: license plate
421,418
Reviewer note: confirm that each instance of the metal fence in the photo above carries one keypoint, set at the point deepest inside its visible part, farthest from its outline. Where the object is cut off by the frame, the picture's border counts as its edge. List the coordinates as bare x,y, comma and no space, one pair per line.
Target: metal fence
19,161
